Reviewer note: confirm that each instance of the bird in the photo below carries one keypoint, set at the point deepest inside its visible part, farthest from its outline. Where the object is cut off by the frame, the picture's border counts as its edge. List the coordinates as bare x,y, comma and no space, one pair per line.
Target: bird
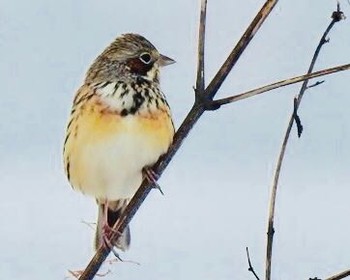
120,125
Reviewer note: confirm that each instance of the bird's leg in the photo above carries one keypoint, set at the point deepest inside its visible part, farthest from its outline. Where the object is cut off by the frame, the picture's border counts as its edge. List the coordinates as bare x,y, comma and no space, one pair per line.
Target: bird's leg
152,177
107,231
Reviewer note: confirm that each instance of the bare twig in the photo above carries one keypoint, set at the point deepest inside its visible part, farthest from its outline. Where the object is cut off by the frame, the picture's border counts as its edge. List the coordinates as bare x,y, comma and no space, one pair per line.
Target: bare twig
340,275
316,84
336,16
250,266
196,111
283,83
200,84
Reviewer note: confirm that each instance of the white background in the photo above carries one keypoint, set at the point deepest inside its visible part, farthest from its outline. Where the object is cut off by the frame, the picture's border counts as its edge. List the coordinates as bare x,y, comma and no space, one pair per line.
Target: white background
217,186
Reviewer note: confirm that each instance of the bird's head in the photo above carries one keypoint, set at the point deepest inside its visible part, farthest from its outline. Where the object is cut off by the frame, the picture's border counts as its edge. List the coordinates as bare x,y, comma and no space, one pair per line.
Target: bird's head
130,56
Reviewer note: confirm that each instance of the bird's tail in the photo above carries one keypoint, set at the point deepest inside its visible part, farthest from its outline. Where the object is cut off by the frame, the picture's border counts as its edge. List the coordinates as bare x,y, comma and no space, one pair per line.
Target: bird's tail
115,208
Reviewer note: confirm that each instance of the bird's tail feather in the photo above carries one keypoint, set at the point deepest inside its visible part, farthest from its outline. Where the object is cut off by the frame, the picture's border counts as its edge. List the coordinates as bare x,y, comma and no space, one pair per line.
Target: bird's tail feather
115,208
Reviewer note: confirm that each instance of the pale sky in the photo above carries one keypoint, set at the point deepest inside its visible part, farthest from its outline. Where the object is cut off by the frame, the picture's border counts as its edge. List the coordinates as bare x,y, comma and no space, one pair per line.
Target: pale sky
217,186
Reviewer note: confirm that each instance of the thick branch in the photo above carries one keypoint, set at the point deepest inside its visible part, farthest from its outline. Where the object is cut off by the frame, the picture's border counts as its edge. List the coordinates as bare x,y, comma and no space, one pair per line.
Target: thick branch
236,53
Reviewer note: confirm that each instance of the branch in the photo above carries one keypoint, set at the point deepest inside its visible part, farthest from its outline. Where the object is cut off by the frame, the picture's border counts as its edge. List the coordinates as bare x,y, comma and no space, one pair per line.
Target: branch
336,16
339,276
316,84
236,53
195,113
250,268
279,84
200,84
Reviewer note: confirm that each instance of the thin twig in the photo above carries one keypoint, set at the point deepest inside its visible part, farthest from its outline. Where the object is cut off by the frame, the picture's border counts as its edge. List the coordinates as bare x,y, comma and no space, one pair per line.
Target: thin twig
270,224
279,84
250,266
195,113
339,276
316,84
200,84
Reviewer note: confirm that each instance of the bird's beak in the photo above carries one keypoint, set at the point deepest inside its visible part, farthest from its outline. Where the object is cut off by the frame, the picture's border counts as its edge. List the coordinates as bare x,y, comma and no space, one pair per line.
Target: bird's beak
164,60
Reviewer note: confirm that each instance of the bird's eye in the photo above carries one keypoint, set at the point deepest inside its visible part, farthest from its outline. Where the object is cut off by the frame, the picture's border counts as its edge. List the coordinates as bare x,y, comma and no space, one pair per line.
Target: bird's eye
145,58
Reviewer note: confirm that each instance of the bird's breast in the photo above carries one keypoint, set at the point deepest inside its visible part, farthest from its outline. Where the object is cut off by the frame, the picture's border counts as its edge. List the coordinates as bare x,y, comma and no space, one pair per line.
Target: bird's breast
107,150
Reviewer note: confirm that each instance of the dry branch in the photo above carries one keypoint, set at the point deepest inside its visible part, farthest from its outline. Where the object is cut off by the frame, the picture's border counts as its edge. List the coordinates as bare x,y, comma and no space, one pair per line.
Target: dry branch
200,81
234,98
250,266
336,16
340,275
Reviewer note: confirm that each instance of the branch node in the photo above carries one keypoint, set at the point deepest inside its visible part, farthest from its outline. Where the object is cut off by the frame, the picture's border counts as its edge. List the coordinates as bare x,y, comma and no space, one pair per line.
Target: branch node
209,105
325,40
271,231
338,15
205,101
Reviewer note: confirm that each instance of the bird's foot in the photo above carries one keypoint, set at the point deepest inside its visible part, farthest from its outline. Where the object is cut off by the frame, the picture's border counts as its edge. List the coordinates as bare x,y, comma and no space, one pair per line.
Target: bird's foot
152,177
106,236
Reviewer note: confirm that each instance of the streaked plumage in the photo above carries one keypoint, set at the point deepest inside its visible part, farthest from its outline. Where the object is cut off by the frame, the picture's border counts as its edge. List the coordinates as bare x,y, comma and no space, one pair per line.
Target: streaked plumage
120,124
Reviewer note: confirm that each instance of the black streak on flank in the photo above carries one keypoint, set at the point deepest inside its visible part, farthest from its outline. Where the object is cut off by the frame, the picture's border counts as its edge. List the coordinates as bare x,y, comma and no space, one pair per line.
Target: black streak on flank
83,98
68,169
65,141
